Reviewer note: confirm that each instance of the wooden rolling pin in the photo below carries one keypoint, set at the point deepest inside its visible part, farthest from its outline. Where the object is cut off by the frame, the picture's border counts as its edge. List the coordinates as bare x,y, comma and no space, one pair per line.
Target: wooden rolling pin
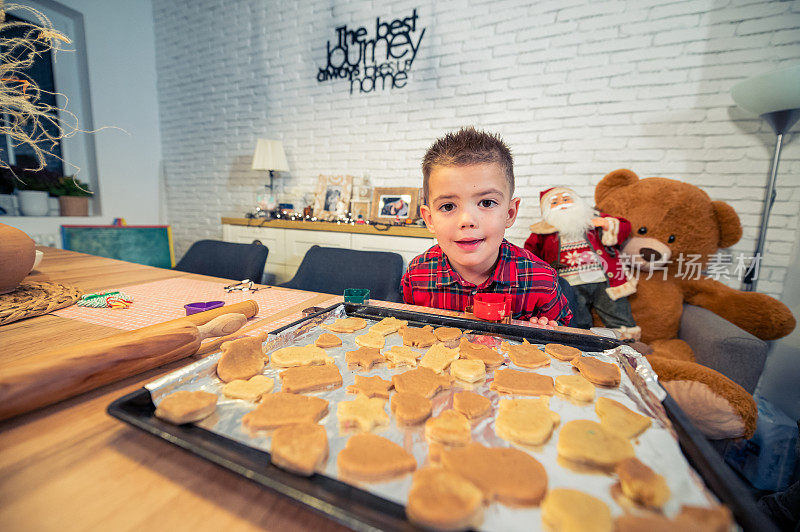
47,378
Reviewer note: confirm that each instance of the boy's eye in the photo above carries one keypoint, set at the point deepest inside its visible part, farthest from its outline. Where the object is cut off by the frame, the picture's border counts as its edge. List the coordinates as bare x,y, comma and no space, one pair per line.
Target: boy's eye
447,207
487,203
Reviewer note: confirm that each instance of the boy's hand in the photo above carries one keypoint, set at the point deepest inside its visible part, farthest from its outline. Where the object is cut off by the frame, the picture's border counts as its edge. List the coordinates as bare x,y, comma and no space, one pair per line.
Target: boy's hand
544,323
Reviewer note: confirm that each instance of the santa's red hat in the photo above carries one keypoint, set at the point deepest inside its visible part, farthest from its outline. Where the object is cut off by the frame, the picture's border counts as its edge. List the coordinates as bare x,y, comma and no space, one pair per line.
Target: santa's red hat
545,195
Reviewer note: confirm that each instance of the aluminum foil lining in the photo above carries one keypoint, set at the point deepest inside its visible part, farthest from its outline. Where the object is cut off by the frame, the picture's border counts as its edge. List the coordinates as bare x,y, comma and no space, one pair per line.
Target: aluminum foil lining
639,390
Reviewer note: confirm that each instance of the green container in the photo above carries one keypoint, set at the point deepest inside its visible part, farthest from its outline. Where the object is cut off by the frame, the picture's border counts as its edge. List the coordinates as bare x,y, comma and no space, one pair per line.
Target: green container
356,295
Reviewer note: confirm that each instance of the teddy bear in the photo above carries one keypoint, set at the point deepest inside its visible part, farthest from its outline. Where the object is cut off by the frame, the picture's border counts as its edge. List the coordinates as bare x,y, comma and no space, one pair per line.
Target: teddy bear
676,227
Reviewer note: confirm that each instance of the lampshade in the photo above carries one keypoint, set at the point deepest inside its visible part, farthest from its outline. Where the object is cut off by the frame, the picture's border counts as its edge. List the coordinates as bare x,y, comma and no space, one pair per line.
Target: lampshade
269,155
774,92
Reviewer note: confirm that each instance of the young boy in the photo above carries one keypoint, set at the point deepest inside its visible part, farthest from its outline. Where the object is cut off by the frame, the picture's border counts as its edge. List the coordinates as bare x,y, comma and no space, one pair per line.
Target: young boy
468,187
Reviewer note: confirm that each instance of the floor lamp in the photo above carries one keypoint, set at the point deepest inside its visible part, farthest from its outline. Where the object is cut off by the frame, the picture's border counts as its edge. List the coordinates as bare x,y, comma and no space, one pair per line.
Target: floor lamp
775,96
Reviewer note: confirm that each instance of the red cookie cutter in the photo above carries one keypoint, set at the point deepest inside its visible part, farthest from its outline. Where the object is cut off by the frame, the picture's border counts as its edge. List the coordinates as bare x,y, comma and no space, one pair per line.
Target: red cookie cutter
492,307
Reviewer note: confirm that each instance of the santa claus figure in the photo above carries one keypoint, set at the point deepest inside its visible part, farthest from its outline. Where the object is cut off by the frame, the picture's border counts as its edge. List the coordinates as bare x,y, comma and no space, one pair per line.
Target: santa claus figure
583,247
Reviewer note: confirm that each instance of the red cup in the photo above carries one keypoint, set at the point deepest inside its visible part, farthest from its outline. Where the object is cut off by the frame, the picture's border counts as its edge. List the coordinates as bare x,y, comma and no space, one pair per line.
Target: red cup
492,307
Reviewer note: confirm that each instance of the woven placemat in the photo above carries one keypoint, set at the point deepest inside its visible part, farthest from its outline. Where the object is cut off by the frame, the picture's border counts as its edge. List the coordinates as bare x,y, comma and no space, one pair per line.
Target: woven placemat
32,298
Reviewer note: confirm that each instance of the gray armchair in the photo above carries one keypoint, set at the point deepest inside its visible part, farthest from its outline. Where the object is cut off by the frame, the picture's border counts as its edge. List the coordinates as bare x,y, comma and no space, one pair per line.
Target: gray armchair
724,347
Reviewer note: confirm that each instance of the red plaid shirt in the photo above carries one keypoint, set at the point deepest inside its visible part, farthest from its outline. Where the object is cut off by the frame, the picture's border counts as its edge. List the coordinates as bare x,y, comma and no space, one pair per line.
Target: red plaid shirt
430,281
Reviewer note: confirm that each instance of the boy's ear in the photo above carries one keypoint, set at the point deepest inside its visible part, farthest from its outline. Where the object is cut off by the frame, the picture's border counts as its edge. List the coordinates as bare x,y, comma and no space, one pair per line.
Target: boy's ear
425,211
513,210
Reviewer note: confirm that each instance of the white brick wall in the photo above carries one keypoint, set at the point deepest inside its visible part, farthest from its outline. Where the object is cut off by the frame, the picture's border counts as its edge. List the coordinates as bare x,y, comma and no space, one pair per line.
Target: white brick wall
577,88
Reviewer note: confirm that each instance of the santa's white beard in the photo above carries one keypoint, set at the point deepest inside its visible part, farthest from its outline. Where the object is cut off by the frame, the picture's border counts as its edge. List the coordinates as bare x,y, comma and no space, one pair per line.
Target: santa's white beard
573,221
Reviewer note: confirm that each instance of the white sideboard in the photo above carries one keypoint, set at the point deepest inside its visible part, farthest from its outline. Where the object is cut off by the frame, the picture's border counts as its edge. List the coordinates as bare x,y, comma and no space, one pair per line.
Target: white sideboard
287,246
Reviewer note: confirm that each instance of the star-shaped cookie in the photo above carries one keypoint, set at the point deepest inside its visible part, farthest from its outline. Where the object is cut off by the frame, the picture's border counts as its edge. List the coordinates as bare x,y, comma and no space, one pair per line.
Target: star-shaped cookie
362,413
371,387
364,357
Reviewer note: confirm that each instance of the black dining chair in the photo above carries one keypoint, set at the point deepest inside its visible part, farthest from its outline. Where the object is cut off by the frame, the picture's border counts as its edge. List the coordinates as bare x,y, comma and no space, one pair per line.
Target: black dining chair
225,259
331,270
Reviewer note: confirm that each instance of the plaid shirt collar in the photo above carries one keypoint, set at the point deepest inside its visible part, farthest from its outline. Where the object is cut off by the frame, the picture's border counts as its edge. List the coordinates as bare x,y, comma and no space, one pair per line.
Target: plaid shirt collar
505,272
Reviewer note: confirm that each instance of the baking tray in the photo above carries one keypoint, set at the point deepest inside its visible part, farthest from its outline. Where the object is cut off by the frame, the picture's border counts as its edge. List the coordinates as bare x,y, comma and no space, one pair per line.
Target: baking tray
361,510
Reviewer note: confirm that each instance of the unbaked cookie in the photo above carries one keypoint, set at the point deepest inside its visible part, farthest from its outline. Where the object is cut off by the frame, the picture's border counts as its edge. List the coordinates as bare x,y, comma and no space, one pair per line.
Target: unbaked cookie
388,326
410,408
372,458
241,359
371,339
363,357
281,408
517,382
346,325
562,352
418,337
570,510
526,355
300,355
449,428
504,474
441,500
484,353
186,407
402,355
641,484
619,419
597,372
301,448
468,370
422,381
575,387
310,378
362,413
248,390
371,386
438,358
526,421
586,443
447,334
471,404
328,340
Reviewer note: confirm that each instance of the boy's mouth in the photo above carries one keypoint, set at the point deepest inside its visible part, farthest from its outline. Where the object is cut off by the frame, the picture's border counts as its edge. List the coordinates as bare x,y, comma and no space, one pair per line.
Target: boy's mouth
468,244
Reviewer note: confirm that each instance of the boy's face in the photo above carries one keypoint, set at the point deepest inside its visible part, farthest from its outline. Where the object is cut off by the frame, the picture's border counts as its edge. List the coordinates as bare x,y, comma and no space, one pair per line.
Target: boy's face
469,210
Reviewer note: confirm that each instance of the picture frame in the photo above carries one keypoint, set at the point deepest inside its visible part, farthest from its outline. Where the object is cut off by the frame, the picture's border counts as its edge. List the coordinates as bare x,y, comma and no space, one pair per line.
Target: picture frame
360,208
332,197
392,203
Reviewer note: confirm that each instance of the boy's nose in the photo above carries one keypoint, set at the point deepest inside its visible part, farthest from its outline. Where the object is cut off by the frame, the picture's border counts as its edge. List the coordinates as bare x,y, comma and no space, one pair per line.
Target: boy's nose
468,219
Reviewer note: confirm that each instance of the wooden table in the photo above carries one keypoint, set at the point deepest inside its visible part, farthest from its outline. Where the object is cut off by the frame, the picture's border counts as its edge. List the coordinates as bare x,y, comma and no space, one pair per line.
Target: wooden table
72,467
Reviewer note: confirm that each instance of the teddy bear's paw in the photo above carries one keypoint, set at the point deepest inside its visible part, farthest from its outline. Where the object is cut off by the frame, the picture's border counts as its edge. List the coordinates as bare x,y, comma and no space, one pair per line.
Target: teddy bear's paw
673,349
633,334
711,413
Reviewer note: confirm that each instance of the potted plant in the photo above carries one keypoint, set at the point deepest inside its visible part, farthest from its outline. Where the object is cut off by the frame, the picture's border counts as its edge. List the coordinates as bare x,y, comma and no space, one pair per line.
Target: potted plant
73,196
33,188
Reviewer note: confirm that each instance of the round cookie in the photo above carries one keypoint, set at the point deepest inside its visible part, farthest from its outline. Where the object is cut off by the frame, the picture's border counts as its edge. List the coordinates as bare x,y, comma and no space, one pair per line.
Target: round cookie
569,510
447,334
346,325
441,500
641,484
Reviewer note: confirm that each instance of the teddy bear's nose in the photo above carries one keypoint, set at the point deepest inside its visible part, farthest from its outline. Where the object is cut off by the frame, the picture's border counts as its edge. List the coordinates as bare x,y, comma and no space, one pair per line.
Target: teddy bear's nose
650,255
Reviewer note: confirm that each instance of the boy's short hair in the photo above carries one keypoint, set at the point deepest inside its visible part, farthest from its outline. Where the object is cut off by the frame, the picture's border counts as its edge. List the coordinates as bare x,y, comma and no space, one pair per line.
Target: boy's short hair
465,147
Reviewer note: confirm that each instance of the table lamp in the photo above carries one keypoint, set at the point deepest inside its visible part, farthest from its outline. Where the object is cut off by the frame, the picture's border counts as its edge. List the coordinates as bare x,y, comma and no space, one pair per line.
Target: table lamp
775,96
269,155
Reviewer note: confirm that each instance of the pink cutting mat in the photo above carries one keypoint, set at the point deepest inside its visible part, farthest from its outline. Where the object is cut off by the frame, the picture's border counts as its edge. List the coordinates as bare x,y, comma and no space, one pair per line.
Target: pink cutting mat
160,301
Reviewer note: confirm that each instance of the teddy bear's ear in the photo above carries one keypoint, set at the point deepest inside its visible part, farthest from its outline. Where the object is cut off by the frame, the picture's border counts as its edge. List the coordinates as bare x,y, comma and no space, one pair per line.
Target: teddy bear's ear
730,228
612,181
